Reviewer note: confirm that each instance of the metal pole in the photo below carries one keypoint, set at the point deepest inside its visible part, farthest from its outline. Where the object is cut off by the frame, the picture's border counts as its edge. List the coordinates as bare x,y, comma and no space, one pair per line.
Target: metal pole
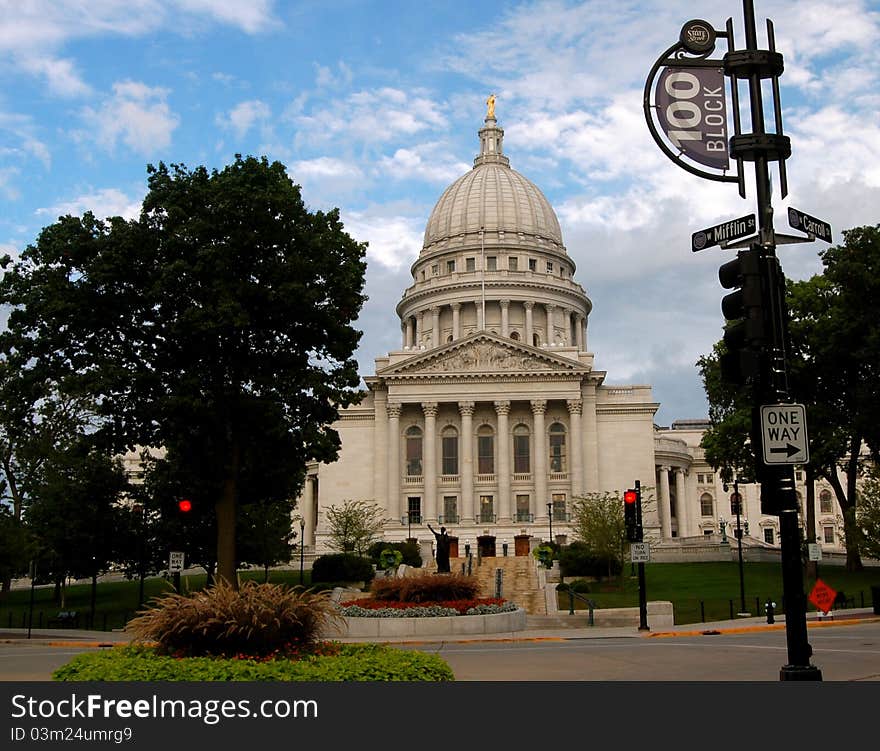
550,518
778,482
33,573
739,548
643,600
302,550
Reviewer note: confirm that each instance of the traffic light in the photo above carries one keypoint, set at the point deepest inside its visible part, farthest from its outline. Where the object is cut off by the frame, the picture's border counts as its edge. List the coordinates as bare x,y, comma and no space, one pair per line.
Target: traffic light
631,508
746,310
184,505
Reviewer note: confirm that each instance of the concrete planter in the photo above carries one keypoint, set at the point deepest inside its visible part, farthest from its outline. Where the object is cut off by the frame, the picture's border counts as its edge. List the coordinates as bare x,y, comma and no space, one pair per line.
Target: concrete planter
456,625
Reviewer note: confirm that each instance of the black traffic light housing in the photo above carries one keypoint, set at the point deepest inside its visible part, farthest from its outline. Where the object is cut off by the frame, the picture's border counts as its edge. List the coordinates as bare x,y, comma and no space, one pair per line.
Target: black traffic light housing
632,514
746,310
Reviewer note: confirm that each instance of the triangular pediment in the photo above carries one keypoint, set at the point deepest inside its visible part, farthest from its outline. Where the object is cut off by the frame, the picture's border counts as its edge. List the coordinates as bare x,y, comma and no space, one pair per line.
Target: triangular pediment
483,354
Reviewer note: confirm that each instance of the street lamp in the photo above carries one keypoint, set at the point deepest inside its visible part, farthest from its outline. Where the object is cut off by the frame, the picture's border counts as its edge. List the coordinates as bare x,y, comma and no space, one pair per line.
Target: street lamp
406,519
550,517
302,550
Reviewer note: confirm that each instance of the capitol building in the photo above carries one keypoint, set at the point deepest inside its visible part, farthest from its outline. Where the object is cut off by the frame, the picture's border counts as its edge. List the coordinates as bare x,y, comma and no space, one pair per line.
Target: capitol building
490,418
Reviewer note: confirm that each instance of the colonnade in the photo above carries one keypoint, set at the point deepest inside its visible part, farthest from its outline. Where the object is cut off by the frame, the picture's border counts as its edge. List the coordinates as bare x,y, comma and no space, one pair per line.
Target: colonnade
664,510
414,326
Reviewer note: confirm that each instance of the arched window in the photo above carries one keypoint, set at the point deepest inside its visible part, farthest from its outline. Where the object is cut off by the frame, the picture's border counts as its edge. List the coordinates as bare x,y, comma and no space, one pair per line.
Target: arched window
414,451
536,340
449,451
736,502
825,502
514,335
557,448
449,338
706,505
485,450
521,450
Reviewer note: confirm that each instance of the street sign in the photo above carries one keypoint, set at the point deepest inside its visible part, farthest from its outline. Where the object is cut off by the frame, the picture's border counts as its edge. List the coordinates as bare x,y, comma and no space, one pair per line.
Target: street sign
175,560
784,434
641,552
822,596
723,233
809,224
814,551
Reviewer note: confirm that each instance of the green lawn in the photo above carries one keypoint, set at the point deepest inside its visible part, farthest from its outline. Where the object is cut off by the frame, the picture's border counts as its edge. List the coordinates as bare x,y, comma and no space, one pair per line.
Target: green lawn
115,603
707,591
699,592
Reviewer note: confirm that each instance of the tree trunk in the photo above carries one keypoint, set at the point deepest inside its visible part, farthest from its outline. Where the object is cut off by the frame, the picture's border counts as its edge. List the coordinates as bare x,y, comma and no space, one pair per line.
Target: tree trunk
226,513
810,511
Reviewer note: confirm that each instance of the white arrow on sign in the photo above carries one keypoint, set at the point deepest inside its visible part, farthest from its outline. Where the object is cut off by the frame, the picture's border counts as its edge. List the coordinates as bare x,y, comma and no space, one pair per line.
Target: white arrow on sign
784,434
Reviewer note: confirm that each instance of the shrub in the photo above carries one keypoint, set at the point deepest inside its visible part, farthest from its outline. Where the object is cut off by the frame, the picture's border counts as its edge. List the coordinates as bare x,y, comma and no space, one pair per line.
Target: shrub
257,619
544,554
342,567
389,558
412,556
577,559
426,588
347,662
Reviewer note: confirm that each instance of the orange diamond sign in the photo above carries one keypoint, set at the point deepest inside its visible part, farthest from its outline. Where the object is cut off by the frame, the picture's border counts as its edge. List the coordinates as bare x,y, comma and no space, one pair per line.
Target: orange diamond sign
822,596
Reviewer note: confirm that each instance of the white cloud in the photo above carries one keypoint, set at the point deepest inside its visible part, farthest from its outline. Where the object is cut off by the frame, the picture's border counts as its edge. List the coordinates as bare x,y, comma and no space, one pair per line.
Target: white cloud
20,129
7,178
422,162
103,203
136,114
244,116
60,75
394,241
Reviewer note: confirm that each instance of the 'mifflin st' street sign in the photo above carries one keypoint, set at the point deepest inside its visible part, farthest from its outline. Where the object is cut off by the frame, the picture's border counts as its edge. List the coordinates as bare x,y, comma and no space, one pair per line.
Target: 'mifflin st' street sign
723,233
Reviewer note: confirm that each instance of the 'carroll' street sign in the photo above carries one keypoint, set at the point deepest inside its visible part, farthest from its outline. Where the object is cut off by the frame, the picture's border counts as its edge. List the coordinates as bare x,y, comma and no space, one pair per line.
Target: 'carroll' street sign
723,233
809,224
784,434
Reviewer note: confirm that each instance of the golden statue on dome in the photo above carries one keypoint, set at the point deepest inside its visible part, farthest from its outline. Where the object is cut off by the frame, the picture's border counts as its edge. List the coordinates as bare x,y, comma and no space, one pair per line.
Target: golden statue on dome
490,107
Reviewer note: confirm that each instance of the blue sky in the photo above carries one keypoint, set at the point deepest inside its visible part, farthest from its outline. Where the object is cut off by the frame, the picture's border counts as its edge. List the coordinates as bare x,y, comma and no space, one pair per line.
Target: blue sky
374,108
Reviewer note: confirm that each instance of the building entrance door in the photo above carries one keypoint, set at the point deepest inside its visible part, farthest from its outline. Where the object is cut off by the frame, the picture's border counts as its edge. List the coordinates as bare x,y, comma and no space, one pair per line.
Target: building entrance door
521,545
486,546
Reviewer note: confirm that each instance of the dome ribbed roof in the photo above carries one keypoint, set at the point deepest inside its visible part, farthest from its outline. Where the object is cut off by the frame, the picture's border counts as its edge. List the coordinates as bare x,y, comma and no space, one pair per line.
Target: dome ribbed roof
492,197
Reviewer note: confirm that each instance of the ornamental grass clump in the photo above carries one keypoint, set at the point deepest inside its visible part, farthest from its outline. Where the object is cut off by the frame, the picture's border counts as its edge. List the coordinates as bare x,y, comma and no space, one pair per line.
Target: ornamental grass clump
426,588
257,620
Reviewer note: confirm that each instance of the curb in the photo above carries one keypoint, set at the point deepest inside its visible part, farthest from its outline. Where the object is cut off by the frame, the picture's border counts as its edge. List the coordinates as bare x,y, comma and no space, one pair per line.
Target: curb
757,628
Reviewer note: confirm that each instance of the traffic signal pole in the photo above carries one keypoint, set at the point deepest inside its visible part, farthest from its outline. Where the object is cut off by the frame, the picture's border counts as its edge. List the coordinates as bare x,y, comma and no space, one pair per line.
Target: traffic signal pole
771,387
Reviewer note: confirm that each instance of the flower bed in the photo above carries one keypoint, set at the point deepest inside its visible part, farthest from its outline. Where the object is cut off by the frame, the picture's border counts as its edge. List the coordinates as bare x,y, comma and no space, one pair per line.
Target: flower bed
370,608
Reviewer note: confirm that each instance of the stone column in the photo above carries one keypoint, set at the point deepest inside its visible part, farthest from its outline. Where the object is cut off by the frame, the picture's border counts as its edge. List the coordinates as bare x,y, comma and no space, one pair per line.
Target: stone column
481,324
540,501
456,321
466,462
380,451
429,449
681,507
420,328
665,505
591,439
530,337
502,409
393,409
579,332
435,325
566,326
551,315
663,510
505,321
410,333
575,407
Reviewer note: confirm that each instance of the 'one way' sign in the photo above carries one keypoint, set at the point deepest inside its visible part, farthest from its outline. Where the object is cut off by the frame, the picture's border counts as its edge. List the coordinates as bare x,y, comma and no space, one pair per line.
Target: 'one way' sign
784,434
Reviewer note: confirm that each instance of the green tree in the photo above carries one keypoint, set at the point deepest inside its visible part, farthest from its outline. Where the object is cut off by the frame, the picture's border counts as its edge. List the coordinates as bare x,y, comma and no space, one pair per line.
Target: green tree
267,534
223,312
354,525
868,514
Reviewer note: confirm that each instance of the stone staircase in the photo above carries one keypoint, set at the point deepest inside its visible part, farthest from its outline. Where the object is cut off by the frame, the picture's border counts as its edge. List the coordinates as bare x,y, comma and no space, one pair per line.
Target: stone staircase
519,581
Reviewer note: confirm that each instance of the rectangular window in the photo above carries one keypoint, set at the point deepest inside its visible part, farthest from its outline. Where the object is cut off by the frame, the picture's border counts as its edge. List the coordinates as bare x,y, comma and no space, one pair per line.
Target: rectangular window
485,455
449,449
491,263
470,264
828,533
549,267
512,263
557,452
768,536
487,509
522,508
706,505
533,264
435,269
559,507
414,456
521,454
450,509
798,475
450,267
824,502
414,509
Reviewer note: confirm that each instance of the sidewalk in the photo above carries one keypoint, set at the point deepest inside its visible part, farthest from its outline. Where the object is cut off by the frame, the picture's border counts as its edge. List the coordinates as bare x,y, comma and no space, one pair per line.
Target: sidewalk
848,617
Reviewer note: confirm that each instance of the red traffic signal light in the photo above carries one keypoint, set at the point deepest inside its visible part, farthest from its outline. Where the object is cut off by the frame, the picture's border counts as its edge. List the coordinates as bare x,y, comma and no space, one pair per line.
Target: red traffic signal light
630,496
184,505
632,514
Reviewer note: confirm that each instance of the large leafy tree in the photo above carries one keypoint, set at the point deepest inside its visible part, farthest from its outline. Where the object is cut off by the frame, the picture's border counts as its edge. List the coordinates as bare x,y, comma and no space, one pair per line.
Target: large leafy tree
834,366
223,312
354,525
